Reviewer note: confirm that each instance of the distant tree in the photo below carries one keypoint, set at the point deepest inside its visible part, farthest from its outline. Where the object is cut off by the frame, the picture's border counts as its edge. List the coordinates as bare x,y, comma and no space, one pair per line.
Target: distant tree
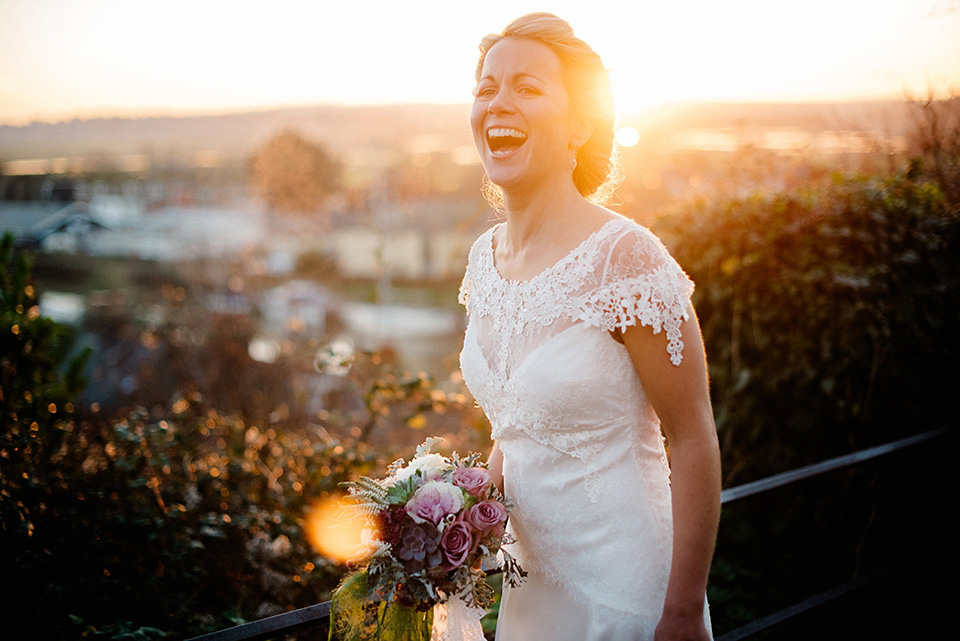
293,175
935,140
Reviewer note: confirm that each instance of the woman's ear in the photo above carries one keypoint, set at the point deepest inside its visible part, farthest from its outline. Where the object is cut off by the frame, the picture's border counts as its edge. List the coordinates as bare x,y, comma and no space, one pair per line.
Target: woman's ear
581,134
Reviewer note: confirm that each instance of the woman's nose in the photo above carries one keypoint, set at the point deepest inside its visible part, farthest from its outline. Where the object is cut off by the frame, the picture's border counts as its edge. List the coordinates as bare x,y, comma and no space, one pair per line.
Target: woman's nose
500,103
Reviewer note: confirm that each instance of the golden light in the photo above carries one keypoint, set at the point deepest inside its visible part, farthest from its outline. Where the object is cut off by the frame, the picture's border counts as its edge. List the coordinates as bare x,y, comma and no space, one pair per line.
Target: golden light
417,422
627,136
239,58
336,530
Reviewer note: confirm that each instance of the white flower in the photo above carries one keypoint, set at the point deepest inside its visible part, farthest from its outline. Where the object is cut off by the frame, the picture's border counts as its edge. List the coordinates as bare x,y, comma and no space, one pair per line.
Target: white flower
431,465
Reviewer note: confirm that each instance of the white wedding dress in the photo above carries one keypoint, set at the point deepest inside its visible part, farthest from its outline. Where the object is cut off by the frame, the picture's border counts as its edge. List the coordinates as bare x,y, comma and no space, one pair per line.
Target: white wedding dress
584,461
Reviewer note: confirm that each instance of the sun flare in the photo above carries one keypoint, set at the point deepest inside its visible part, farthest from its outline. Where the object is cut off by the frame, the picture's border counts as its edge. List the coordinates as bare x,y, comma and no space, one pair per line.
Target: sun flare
337,531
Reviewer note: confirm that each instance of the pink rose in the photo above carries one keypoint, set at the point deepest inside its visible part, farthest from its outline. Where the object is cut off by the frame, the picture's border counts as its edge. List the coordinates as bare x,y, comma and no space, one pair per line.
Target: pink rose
456,543
434,500
487,517
472,480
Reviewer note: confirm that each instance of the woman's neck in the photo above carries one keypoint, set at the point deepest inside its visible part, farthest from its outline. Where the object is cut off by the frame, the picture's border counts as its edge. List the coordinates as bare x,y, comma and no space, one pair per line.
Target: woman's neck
533,214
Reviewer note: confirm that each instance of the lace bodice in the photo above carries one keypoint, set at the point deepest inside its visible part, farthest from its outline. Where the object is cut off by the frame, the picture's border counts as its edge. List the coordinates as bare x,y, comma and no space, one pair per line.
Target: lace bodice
584,461
620,276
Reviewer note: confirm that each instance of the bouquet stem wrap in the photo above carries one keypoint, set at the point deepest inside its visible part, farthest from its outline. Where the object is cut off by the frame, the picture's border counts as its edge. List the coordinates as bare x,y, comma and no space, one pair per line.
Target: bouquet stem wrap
354,618
454,620
400,623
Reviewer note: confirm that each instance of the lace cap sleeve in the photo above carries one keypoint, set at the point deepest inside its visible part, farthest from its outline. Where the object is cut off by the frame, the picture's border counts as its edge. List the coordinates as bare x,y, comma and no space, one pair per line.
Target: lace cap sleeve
464,296
466,284
641,284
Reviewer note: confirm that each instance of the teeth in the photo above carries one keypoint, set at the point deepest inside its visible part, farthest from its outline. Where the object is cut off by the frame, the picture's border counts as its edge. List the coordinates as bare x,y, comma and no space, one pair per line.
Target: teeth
505,132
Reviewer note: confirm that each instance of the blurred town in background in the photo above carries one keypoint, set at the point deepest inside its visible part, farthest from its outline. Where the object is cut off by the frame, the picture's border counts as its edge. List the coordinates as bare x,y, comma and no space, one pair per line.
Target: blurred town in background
300,226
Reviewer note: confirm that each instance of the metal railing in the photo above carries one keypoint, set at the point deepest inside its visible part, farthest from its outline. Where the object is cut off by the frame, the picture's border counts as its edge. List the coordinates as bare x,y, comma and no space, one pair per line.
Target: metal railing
272,627
792,476
316,615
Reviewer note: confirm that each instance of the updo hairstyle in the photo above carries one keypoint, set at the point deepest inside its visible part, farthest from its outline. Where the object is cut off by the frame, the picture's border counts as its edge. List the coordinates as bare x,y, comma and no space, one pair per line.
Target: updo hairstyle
588,85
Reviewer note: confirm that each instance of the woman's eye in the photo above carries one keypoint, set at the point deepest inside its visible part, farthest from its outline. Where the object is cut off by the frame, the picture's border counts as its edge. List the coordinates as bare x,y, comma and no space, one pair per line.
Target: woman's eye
485,92
527,91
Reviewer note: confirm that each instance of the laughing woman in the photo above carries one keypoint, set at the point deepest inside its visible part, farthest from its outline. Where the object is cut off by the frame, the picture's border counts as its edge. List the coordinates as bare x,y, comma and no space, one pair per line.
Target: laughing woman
581,346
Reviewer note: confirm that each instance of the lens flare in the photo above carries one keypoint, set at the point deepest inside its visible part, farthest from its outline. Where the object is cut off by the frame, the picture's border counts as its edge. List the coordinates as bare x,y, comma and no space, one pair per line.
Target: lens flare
336,530
627,136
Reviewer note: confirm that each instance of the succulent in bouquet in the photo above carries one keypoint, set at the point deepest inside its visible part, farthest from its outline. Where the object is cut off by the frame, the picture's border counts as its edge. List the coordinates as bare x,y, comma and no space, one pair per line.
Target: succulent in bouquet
434,525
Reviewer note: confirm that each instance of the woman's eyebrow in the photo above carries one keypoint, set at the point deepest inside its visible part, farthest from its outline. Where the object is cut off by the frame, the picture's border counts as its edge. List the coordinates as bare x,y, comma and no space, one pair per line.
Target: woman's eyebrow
516,76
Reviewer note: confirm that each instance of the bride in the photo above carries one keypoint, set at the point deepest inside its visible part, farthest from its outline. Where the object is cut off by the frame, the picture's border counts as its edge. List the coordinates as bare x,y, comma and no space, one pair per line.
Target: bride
581,346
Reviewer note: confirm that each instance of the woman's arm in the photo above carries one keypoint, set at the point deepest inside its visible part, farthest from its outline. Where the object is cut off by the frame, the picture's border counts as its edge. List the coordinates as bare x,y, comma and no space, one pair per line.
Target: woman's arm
681,398
495,465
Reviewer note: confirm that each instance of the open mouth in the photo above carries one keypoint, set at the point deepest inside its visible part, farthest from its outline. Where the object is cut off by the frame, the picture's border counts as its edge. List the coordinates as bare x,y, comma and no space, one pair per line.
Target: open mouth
503,140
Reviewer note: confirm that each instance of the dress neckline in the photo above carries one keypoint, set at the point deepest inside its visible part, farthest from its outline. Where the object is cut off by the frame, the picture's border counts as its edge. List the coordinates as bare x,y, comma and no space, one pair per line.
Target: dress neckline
562,261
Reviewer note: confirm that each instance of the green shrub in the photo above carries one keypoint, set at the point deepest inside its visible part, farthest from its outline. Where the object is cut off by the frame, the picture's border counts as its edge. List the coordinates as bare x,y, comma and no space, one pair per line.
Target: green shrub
830,316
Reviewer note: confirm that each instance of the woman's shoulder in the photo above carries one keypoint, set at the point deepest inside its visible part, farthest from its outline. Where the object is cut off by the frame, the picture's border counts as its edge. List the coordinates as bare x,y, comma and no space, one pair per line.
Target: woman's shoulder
481,252
482,242
628,240
638,282
628,228
633,258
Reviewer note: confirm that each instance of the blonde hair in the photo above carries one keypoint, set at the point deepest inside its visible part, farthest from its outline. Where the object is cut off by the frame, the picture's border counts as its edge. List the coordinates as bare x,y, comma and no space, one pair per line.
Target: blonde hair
587,81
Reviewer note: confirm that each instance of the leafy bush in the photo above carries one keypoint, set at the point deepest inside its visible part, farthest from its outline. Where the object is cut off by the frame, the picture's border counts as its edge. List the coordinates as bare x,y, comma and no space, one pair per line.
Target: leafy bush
133,527
183,524
181,519
37,385
831,316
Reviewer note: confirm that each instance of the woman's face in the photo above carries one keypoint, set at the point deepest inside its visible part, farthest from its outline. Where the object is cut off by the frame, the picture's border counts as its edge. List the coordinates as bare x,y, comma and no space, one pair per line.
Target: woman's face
521,118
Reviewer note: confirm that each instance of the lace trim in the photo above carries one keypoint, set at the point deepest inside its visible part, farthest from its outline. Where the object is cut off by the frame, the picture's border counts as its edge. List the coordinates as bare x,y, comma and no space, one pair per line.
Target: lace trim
454,620
463,297
639,285
581,577
538,426
657,300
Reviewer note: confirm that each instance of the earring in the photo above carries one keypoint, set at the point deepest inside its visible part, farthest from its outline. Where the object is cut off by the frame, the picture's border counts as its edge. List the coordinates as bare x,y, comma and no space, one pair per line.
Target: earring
573,163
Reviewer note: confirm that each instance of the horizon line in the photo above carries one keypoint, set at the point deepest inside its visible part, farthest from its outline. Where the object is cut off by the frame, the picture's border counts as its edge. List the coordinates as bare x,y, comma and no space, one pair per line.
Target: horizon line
184,113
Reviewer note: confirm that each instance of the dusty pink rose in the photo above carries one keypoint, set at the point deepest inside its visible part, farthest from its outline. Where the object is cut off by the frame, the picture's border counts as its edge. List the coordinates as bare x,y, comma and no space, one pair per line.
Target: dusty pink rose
456,543
487,517
434,500
472,480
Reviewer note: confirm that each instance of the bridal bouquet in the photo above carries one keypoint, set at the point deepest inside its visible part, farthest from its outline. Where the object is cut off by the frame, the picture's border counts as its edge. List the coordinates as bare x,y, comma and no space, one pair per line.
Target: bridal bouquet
435,522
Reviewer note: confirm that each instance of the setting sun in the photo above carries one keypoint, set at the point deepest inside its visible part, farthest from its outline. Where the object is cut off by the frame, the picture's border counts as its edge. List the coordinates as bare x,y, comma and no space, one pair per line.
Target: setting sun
627,136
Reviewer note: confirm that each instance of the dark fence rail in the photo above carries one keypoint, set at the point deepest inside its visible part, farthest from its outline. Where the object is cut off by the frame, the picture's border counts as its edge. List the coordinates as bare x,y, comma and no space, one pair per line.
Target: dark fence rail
316,615
272,627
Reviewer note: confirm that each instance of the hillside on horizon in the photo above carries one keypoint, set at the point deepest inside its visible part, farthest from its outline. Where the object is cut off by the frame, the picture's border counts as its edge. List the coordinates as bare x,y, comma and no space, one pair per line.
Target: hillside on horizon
348,130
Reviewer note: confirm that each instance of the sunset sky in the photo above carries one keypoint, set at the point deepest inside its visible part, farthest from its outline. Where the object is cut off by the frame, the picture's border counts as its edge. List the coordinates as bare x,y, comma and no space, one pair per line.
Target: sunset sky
61,59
